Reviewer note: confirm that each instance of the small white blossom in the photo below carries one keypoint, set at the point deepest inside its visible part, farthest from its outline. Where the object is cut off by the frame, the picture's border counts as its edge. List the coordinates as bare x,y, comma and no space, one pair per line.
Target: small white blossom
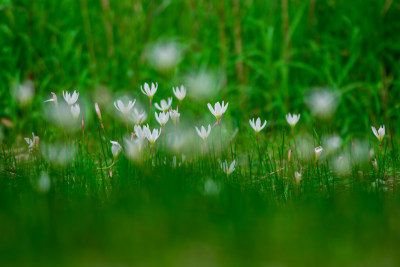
120,106
24,92
75,111
150,92
256,125
292,119
331,143
140,132
70,99
218,109
174,115
138,117
380,134
162,119
179,93
164,56
203,133
152,136
164,105
228,169
133,148
322,102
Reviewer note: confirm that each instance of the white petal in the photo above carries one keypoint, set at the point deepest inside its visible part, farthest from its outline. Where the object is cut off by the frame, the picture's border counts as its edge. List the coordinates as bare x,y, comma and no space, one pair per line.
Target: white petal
210,108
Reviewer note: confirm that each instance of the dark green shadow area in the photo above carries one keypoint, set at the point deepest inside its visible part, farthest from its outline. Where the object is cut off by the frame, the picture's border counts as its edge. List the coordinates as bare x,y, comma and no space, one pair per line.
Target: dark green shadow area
162,220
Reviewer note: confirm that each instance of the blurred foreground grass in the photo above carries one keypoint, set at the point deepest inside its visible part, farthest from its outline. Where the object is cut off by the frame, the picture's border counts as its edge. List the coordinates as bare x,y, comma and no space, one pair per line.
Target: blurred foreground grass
167,220
194,215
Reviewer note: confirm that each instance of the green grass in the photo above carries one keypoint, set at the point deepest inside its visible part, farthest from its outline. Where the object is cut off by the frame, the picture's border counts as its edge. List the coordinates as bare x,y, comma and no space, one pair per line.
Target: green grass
150,212
167,221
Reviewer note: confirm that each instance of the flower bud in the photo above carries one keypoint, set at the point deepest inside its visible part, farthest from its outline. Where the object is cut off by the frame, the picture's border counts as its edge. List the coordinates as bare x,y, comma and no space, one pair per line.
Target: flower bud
318,150
289,155
96,106
115,149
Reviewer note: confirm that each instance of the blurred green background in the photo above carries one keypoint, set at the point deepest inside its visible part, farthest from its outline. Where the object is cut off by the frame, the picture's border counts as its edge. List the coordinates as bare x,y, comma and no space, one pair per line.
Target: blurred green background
263,56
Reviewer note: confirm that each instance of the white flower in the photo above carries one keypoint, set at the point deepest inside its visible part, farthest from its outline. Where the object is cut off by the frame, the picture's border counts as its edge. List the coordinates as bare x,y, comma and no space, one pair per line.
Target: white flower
322,102
164,56
331,143
257,125
70,99
203,133
137,117
23,92
318,150
115,148
380,134
179,93
53,99
152,136
133,148
139,132
119,105
75,111
174,115
218,109
228,169
297,176
292,119
149,92
163,118
32,143
164,105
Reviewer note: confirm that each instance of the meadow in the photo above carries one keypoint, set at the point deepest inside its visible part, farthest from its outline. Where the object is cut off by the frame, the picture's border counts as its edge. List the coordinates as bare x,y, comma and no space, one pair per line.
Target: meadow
199,133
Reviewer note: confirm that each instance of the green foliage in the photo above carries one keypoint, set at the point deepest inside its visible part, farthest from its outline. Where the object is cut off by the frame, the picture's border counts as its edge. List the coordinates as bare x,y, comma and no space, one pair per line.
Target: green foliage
352,47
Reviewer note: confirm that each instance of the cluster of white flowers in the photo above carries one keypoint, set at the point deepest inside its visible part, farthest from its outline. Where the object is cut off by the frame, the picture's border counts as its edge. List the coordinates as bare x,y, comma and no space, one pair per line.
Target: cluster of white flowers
143,132
71,100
